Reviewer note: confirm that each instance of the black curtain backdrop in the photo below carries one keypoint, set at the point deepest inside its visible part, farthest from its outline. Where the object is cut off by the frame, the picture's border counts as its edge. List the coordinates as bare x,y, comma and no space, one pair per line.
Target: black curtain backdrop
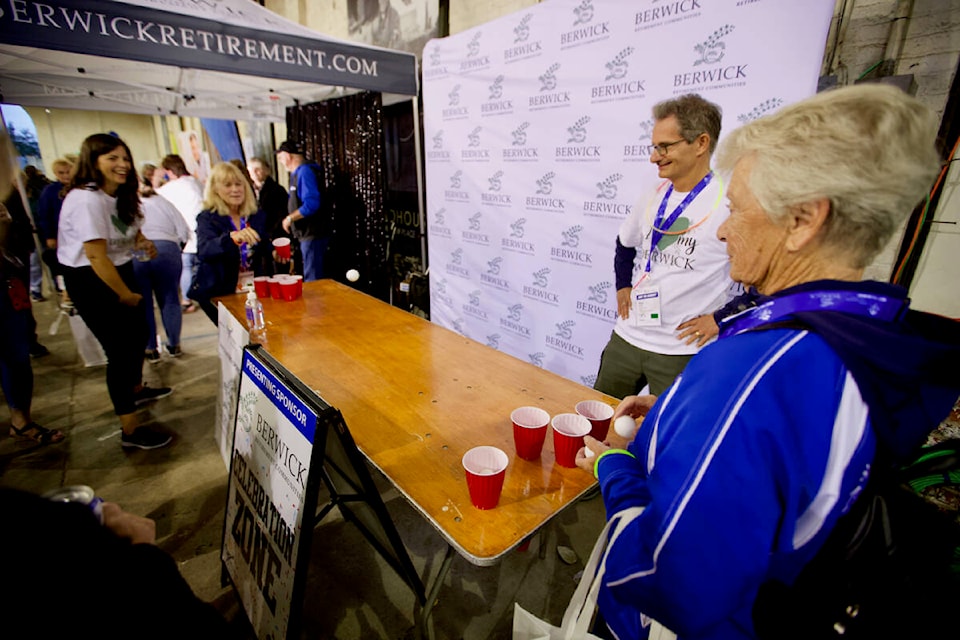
344,136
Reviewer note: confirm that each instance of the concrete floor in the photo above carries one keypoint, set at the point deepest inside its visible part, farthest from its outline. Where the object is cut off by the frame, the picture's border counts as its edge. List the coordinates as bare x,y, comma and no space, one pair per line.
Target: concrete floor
351,593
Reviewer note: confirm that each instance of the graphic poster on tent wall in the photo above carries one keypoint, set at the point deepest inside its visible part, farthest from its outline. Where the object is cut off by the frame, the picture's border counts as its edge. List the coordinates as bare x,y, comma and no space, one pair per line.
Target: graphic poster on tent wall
537,135
263,549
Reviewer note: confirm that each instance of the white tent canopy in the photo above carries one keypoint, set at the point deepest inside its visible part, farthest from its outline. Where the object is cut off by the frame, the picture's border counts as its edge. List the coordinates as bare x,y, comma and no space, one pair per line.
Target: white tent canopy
230,59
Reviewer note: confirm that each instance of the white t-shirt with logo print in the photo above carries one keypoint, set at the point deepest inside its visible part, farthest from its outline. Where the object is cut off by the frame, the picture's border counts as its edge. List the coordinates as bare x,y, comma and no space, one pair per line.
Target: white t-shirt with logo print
91,214
690,269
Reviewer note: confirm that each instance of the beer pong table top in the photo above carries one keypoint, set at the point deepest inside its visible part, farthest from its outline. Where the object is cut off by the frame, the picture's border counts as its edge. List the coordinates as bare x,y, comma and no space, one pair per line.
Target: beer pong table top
416,396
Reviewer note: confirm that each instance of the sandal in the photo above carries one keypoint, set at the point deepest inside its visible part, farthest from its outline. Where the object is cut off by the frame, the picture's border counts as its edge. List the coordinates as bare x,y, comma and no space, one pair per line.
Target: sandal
33,431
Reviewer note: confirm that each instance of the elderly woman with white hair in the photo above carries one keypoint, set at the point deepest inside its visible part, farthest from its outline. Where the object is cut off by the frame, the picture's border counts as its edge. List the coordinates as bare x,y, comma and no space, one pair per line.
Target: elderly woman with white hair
744,465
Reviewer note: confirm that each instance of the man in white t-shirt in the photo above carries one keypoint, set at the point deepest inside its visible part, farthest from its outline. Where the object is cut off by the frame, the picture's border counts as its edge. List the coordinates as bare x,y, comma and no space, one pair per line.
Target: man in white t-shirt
671,270
186,194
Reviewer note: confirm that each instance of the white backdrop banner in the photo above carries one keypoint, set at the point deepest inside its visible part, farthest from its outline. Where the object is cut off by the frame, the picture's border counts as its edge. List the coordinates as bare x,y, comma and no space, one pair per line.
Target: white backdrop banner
537,134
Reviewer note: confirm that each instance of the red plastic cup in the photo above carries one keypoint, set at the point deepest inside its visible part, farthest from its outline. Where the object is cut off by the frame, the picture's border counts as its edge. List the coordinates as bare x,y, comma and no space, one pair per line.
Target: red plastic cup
288,288
485,467
275,292
599,415
568,432
282,247
261,285
529,431
298,284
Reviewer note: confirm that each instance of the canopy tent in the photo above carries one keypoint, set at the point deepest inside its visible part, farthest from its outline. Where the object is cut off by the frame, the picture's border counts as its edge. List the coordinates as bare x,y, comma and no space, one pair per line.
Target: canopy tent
229,59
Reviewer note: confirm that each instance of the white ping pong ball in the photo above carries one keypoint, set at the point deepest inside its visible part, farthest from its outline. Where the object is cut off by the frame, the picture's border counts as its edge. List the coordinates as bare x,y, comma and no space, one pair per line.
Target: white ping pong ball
353,275
588,452
625,426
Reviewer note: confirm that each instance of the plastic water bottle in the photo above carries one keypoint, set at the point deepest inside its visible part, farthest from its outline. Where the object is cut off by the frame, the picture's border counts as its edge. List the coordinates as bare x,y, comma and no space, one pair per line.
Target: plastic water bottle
254,309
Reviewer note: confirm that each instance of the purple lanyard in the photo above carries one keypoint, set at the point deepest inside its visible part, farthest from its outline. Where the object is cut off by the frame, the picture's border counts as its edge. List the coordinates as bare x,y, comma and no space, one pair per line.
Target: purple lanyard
244,250
660,223
861,304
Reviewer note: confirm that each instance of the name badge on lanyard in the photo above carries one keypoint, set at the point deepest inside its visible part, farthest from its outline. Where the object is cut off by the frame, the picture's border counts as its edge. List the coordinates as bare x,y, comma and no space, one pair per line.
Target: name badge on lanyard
645,298
645,311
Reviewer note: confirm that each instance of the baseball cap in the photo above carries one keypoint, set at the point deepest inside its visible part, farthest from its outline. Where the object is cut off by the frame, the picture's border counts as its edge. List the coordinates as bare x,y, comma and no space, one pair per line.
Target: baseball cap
290,147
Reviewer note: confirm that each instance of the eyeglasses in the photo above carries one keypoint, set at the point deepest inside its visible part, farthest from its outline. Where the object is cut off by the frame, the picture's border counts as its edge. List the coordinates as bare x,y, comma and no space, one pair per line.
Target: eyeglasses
664,147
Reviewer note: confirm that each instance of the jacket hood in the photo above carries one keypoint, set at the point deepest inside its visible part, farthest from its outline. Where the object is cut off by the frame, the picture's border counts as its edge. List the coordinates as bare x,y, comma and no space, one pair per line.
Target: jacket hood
908,370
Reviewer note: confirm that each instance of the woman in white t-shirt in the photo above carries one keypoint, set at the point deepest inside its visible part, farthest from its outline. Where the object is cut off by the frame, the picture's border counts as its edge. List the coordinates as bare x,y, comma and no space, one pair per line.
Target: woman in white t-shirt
98,235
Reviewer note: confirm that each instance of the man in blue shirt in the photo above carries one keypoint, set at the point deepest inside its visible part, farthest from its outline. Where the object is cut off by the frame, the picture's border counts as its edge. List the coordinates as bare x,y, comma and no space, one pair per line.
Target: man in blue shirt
308,219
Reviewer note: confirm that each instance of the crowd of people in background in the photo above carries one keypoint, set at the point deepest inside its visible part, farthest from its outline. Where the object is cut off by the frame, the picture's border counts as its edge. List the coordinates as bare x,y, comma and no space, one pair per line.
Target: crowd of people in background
121,245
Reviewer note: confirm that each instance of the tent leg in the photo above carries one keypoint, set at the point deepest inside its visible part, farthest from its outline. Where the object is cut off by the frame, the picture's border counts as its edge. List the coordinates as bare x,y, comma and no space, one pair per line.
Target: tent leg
415,102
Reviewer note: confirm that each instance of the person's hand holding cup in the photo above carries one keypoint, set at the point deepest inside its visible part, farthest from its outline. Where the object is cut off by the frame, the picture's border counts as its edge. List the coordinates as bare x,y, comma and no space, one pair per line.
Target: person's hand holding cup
599,415
281,250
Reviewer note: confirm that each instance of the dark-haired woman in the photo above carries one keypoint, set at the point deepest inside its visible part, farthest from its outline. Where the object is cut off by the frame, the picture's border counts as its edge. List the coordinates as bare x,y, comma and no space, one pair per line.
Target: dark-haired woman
98,235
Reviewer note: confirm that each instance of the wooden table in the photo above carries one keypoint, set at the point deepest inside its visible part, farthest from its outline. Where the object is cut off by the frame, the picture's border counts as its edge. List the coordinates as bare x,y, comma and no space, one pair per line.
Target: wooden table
416,396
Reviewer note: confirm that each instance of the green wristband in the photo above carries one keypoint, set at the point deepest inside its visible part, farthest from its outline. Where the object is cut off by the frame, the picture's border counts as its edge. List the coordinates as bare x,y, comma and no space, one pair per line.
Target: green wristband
596,465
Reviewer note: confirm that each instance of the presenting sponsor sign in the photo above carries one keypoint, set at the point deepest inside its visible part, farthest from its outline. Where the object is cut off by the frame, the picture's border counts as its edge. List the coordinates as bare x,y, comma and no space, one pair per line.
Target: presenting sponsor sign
269,489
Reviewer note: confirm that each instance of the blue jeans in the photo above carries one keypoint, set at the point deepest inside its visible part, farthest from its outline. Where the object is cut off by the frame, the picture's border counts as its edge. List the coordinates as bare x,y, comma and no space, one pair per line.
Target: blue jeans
36,273
187,272
313,251
159,277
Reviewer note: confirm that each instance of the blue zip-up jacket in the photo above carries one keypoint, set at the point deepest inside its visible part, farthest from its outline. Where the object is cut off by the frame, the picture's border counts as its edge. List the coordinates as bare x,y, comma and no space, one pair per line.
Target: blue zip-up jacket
748,460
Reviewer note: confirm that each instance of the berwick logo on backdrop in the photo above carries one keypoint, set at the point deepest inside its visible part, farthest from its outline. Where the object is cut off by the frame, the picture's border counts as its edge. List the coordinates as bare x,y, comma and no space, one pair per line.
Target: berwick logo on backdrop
473,307
492,197
518,151
605,204
515,242
165,37
760,110
454,111
474,152
437,153
455,265
640,152
495,106
597,302
457,325
493,341
491,277
536,359
562,340
616,84
439,291
474,235
569,251
662,13
435,68
579,151
539,289
549,97
522,48
541,200
711,53
584,29
439,228
456,193
474,60
513,321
